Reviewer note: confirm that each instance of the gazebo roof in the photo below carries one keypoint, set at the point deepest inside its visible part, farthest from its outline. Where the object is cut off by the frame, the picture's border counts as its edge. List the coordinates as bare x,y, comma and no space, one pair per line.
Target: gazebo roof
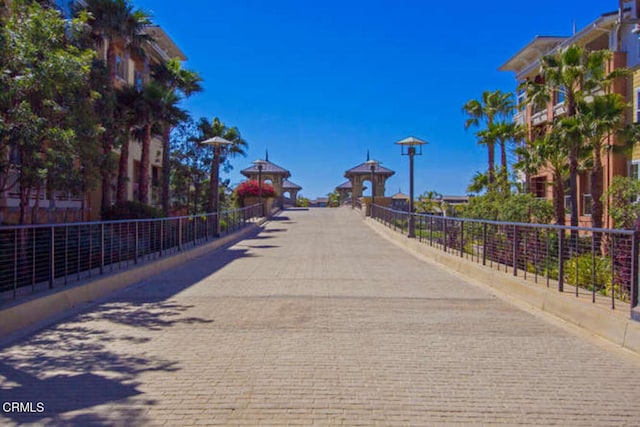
400,196
344,186
268,168
365,169
288,185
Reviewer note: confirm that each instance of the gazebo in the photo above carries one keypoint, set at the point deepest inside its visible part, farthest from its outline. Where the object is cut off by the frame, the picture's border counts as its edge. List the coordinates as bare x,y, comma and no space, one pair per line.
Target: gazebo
292,189
358,175
344,190
271,172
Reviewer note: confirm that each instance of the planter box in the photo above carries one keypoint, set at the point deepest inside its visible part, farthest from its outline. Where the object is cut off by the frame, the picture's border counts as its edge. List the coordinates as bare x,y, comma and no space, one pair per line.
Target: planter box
267,203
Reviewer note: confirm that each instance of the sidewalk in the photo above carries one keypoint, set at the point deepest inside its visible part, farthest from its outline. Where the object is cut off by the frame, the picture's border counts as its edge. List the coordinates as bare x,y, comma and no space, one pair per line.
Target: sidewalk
317,320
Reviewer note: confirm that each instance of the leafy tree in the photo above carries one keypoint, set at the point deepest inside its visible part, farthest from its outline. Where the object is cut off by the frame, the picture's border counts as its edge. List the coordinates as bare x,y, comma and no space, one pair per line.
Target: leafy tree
302,202
190,167
334,199
42,73
624,208
498,206
429,202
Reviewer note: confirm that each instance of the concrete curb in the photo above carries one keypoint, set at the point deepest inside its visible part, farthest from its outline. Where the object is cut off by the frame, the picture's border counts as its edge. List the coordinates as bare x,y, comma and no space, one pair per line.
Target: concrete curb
33,311
613,325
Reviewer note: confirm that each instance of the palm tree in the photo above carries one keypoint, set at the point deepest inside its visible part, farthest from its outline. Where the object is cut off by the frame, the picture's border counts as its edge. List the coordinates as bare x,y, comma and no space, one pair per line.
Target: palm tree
150,113
547,151
218,128
575,73
128,114
600,119
178,82
488,138
493,107
112,21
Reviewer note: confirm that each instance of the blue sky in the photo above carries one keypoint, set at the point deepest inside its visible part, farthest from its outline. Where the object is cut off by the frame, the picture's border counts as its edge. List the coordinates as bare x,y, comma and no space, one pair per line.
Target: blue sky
320,83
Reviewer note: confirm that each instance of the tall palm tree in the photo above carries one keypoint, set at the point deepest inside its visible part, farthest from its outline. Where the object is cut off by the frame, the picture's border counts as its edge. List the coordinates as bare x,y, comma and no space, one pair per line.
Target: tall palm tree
178,81
576,73
547,151
151,109
237,147
128,117
493,107
112,21
601,118
488,138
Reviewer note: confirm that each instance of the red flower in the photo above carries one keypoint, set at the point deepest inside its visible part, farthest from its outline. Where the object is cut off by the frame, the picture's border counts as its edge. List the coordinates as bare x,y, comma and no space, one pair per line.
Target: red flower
252,189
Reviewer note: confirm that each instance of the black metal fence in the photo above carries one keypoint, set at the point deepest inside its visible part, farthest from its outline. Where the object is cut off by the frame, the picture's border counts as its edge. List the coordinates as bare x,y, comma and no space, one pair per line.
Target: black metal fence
600,262
45,256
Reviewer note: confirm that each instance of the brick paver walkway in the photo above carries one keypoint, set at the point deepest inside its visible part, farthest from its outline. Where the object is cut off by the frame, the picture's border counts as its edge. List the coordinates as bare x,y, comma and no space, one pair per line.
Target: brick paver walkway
317,320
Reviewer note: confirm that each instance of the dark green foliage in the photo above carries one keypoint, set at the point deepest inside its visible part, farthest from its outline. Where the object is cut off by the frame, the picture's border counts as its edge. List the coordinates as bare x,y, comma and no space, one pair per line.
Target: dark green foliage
131,210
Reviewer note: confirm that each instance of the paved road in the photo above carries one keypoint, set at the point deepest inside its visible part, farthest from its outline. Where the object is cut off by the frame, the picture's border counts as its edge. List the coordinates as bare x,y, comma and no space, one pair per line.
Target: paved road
316,320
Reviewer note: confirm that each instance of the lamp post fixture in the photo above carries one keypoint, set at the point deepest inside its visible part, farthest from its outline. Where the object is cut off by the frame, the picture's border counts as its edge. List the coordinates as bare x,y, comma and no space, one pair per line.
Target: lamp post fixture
260,165
372,165
217,142
411,147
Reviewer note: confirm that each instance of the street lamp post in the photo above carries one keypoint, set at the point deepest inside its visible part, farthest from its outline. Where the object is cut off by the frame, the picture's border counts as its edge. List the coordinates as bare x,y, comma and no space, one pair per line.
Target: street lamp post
217,142
372,165
411,147
260,165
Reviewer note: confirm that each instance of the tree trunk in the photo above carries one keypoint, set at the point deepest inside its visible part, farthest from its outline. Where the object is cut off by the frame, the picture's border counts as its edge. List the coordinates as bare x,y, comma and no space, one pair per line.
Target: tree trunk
491,152
108,137
166,168
597,208
143,189
558,198
24,203
213,181
503,163
36,206
107,148
123,172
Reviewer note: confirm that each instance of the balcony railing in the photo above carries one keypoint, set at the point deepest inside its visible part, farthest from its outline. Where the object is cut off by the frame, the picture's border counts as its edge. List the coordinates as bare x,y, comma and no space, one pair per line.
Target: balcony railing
34,258
601,263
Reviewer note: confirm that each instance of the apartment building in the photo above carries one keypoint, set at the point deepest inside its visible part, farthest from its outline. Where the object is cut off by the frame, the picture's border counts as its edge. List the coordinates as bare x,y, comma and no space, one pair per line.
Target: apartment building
616,31
131,69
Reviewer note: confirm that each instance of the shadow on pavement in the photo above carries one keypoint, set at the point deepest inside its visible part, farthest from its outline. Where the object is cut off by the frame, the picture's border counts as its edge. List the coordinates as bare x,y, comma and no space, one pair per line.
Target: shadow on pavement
85,362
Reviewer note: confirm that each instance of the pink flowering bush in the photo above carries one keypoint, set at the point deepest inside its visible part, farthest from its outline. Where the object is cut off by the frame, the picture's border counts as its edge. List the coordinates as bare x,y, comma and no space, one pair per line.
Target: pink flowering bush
252,189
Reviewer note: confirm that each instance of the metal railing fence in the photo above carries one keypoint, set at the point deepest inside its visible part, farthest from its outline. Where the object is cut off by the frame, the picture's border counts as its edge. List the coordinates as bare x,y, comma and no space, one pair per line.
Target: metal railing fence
41,257
600,262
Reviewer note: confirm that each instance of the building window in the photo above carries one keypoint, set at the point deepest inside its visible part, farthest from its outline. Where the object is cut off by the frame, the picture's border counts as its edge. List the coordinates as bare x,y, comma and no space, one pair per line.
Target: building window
137,80
567,205
521,98
560,95
120,67
155,176
586,204
634,169
539,187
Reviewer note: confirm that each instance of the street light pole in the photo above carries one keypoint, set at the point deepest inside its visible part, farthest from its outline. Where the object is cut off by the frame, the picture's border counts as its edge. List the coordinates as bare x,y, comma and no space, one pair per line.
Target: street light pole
260,165
372,165
408,148
217,142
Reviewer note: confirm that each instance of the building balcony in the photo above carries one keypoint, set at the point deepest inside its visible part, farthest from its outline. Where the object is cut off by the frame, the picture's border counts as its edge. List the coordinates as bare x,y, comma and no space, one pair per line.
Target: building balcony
559,109
539,117
520,118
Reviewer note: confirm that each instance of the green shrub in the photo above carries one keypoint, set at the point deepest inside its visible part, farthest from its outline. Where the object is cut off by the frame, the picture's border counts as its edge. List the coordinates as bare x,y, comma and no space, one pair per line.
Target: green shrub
131,210
585,274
